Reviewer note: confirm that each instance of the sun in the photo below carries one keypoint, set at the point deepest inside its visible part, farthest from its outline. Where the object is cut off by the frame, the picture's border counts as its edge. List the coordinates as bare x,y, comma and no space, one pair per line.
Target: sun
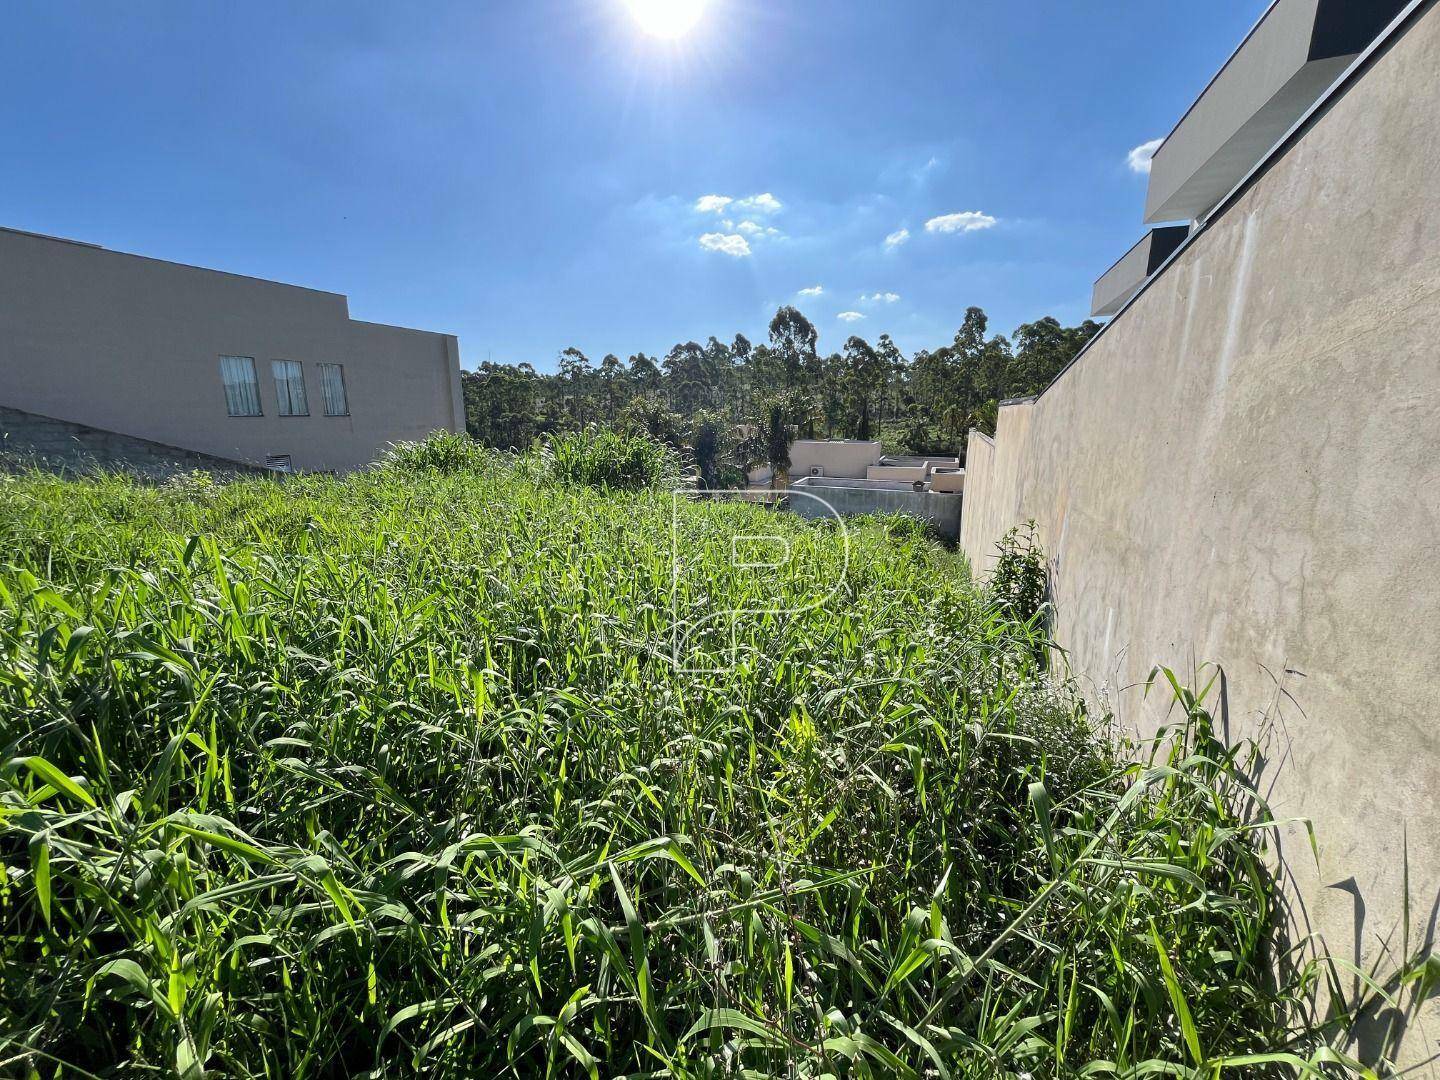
666,18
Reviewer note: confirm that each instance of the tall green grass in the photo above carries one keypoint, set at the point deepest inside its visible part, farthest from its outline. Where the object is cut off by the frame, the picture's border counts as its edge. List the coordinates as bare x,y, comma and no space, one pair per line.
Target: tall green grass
393,775
611,461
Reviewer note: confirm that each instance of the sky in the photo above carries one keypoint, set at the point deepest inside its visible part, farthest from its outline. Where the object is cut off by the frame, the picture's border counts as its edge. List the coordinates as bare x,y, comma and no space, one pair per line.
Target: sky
537,174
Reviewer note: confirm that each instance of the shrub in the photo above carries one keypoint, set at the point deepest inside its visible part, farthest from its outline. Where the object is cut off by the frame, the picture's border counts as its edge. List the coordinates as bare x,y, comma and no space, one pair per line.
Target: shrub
611,461
730,477
442,452
648,415
194,484
1019,583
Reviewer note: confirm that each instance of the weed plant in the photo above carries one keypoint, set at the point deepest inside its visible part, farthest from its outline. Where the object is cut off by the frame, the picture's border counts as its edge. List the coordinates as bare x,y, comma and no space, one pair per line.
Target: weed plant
394,775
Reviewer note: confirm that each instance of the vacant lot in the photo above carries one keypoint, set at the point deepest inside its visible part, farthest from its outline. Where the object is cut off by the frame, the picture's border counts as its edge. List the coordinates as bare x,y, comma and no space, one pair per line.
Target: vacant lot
395,774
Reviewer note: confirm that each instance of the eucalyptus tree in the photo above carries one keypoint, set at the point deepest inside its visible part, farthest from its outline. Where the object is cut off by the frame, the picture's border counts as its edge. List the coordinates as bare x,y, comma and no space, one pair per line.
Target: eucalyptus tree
794,339
1042,349
645,375
864,383
612,379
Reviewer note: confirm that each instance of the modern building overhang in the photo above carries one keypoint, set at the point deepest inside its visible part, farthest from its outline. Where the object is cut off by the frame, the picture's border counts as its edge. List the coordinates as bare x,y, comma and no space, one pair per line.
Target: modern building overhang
1123,280
1291,57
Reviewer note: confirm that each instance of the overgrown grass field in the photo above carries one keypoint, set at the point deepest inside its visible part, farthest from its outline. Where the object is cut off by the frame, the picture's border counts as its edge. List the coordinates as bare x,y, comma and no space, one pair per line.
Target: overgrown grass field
395,775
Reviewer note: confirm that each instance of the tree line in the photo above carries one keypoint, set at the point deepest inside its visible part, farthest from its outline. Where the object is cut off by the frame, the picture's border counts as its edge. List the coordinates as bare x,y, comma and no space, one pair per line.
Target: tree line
731,406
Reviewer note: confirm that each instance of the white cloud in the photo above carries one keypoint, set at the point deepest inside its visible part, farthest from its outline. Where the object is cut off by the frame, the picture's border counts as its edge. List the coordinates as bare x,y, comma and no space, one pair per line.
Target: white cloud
754,230
850,316
881,298
732,244
712,204
1139,158
963,222
814,290
896,238
760,204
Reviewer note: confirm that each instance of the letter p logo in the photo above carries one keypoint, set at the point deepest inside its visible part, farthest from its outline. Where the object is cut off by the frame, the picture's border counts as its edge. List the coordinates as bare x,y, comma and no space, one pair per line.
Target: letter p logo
755,552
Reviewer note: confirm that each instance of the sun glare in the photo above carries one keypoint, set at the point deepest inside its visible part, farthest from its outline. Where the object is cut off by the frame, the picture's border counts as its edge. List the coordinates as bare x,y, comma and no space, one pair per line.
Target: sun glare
666,18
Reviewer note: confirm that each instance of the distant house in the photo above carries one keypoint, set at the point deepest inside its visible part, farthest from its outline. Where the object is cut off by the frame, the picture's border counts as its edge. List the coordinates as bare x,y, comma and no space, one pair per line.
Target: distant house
847,458
141,353
860,459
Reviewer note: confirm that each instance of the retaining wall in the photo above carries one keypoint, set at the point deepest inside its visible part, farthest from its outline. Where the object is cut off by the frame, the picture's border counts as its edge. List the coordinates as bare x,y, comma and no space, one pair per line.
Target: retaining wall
1245,469
29,440
852,497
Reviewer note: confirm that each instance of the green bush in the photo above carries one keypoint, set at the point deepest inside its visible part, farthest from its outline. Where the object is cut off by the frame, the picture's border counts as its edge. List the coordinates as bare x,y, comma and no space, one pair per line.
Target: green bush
442,452
1019,582
611,461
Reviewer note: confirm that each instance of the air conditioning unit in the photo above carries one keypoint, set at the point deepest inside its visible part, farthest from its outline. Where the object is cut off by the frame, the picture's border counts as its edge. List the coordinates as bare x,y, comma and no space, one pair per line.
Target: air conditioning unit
817,470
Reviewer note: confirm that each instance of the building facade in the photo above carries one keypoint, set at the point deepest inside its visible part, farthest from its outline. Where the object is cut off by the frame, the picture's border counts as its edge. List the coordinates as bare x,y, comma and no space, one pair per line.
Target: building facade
234,367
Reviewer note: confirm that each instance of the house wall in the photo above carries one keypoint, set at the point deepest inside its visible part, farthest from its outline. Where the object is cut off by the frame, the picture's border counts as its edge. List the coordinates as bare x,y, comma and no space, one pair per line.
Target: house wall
845,458
1245,469
132,345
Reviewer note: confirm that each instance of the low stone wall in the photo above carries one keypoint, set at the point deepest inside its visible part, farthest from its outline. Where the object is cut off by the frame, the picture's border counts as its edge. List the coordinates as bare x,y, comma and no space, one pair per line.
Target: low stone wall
31,441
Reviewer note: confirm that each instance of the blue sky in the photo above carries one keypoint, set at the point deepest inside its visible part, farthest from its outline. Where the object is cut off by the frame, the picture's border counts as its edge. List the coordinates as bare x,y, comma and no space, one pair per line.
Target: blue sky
529,174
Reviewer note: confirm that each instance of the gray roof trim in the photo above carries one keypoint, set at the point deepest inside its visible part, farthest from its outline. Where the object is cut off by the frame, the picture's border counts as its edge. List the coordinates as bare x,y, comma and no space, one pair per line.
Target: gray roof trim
47,236
1216,77
1357,68
1143,237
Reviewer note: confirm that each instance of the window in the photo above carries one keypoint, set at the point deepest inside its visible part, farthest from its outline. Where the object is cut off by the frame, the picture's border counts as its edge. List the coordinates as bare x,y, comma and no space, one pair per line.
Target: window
242,390
290,387
332,389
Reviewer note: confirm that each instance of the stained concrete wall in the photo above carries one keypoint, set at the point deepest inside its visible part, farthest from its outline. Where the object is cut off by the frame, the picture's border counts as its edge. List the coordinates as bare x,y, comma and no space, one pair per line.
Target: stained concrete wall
1245,469
132,345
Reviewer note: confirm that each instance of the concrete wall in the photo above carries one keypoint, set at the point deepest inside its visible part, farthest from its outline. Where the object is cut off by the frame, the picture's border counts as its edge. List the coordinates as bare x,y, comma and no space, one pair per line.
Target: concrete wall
845,458
133,345
1245,468
904,473
904,461
848,498
951,481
